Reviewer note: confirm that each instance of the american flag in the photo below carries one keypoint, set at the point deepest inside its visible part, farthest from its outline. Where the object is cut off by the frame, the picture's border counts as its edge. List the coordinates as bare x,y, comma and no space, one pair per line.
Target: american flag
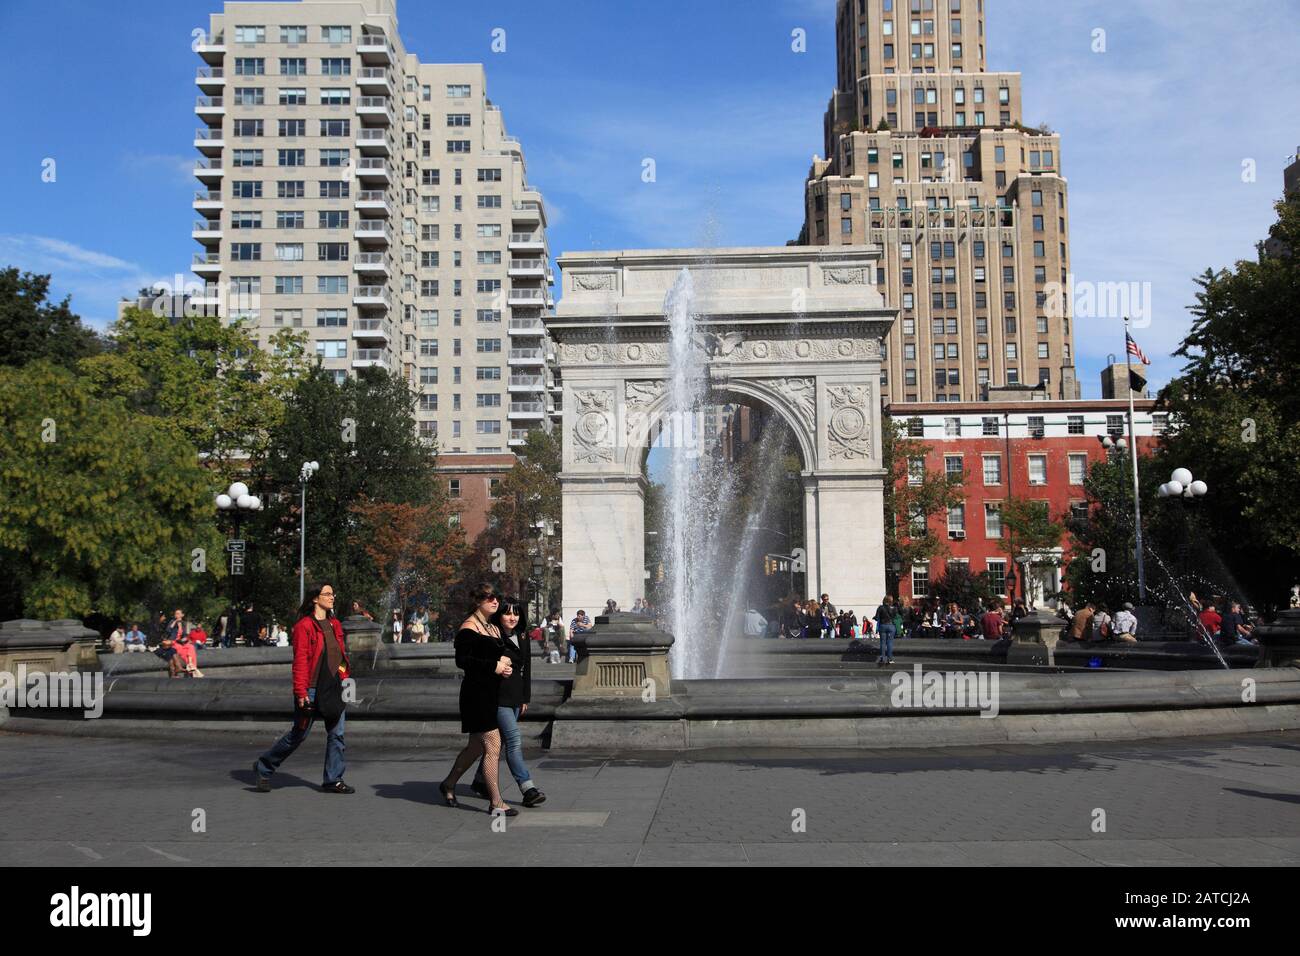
1134,350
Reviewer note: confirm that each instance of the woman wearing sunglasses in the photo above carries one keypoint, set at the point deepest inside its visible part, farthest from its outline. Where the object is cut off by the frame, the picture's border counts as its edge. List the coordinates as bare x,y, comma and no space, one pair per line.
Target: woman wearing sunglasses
480,654
516,692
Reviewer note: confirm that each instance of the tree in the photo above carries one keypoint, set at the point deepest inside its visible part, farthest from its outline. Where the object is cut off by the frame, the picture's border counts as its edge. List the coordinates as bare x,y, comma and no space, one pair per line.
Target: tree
208,381
913,496
1234,410
412,548
101,510
960,586
1029,531
32,328
363,434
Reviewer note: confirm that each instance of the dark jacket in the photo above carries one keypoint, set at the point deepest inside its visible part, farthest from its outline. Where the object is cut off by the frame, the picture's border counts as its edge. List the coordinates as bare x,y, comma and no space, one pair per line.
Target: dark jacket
480,688
307,649
250,625
518,687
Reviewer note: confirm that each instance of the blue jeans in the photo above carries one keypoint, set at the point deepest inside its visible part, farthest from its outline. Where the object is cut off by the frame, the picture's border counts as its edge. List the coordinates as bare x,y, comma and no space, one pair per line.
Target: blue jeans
886,641
282,748
512,742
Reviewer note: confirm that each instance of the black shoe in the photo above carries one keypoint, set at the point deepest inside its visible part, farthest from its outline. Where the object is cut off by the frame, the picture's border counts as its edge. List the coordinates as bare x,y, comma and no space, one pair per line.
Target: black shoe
448,795
506,812
534,797
338,786
263,783
479,787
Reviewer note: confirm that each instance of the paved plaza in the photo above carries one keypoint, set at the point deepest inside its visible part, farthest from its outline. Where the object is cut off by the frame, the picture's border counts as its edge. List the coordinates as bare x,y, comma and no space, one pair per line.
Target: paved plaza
1208,801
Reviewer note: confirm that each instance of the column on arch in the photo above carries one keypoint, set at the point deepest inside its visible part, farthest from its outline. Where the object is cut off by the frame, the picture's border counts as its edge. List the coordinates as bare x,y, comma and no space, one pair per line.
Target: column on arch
603,526
847,539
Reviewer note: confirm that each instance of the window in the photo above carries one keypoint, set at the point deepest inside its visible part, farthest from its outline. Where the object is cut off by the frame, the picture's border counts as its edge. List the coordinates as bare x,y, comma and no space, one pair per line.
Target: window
332,318
952,427
992,469
288,285
952,465
453,488
1078,468
246,251
331,285
290,189
332,348
331,251
920,579
250,34
333,157
246,157
487,345
957,521
490,373
487,427
458,146
1114,425
1038,469
333,219
997,573
336,66
915,471
989,427
1074,424
289,219
457,89
915,428
250,66
489,202
288,251
458,119
1159,423
293,34
335,97
248,189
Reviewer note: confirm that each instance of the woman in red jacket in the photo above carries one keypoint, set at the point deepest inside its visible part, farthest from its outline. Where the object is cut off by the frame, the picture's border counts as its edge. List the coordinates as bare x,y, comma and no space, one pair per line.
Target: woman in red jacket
320,665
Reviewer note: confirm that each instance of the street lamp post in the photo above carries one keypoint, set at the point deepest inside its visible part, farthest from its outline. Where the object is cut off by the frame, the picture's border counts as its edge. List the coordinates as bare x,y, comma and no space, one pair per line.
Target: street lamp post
237,500
309,468
1182,485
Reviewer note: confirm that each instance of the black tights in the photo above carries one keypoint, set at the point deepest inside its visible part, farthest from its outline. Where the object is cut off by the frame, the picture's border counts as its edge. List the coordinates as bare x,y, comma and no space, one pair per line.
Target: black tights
488,746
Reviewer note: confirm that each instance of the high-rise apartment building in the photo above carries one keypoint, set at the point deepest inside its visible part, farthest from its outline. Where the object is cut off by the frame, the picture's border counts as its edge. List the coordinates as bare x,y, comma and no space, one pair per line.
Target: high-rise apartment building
927,156
375,202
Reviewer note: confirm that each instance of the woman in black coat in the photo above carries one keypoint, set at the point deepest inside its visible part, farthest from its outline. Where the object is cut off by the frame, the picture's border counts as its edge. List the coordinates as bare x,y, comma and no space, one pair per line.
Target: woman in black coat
479,655
515,694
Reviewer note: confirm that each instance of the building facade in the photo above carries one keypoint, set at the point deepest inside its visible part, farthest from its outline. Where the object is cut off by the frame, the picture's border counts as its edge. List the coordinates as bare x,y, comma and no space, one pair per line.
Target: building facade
1040,450
375,202
926,155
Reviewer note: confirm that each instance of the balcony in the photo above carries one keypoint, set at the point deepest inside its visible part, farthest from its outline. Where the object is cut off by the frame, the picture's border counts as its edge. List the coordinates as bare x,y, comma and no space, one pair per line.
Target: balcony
518,437
374,48
210,108
374,81
370,263
210,78
373,230
526,297
208,201
206,264
371,295
525,383
527,242
527,212
527,357
207,230
527,411
526,327
372,329
211,48
370,358
527,268
375,110
373,200
373,142
209,168
209,140
373,170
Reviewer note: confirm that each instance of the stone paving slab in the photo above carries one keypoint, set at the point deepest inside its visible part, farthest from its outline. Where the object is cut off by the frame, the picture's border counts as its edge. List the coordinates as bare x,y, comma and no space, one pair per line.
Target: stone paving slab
1230,801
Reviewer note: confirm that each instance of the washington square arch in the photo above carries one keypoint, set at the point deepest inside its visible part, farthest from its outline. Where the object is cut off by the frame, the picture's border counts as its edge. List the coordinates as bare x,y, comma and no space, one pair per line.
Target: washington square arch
796,330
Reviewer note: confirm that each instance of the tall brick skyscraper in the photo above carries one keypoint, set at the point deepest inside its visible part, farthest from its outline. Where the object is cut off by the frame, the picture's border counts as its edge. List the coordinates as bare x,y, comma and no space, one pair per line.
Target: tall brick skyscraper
926,155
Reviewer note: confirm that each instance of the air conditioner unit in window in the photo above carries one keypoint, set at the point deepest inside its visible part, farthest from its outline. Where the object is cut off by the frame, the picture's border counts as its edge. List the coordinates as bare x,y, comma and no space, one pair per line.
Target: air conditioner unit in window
957,535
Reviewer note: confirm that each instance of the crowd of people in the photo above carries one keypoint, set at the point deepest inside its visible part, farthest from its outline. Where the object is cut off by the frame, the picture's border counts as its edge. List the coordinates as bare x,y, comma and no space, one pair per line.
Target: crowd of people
905,618
177,640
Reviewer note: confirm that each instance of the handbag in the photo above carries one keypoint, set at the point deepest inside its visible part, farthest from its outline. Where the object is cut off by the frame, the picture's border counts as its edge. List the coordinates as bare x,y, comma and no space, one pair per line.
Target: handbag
329,689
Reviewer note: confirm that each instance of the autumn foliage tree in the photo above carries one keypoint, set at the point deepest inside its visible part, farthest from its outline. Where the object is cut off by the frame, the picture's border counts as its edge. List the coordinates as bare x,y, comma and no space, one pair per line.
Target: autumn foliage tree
414,550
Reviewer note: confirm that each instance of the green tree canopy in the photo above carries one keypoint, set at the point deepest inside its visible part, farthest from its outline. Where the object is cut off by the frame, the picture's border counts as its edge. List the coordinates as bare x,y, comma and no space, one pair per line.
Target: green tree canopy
100,509
33,328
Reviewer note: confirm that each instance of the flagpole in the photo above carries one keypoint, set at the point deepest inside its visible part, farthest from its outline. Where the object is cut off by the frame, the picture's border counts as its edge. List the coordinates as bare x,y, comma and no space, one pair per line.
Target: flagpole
1133,450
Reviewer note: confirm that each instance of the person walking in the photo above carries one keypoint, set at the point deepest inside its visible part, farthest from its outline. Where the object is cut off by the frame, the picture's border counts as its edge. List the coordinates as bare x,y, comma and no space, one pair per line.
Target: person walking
395,625
320,665
885,627
512,702
250,626
480,654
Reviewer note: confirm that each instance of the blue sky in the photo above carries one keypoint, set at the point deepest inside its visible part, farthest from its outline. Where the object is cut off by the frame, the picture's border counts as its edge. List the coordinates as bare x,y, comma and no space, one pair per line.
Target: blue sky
1155,129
